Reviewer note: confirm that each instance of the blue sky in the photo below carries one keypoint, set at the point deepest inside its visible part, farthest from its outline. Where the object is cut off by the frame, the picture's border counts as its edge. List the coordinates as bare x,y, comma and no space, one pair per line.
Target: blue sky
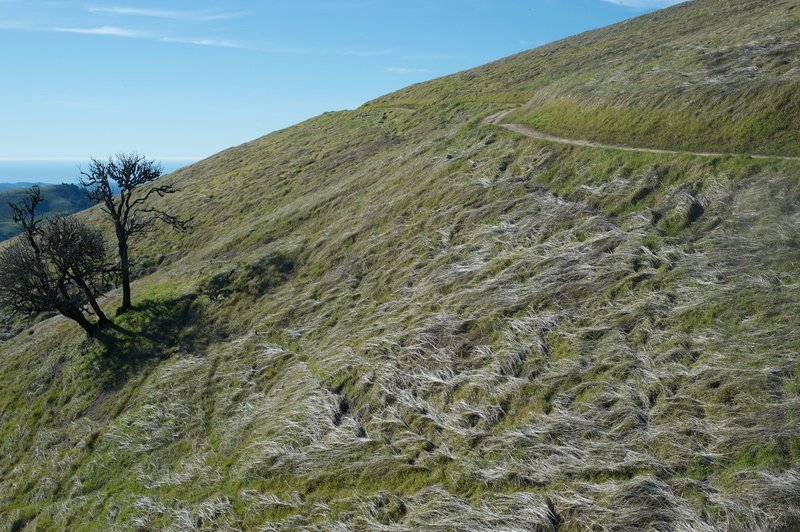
184,80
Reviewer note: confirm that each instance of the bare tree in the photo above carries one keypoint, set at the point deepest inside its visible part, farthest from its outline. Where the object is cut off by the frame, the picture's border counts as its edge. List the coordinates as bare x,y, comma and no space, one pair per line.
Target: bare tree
130,210
78,253
57,265
24,214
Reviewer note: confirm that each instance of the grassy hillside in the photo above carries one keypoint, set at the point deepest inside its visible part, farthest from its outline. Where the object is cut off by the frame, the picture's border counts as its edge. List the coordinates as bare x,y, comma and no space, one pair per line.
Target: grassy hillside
708,75
58,199
400,317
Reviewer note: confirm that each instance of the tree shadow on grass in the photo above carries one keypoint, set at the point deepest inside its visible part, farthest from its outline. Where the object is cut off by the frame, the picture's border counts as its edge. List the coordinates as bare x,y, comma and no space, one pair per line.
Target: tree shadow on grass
153,330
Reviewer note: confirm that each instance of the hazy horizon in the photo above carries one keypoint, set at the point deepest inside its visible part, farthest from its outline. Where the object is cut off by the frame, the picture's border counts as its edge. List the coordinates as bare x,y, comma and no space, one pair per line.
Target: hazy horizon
56,171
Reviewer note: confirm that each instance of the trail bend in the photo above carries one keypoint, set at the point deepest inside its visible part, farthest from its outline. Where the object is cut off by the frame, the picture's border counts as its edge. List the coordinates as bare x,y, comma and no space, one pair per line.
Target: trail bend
497,120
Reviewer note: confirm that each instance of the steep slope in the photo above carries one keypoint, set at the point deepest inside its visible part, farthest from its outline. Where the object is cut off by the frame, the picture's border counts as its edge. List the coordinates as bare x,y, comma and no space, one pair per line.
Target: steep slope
403,317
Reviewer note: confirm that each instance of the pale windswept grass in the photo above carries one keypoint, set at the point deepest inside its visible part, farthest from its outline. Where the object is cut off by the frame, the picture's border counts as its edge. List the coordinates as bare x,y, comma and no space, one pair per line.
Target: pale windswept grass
478,331
531,359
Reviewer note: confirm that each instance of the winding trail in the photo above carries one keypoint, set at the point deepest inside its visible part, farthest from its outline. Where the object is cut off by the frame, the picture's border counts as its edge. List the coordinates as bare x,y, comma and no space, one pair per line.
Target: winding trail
497,120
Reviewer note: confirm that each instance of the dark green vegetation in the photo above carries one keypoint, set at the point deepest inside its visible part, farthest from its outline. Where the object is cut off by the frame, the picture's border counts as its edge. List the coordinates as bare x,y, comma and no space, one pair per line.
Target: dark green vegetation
415,320
58,199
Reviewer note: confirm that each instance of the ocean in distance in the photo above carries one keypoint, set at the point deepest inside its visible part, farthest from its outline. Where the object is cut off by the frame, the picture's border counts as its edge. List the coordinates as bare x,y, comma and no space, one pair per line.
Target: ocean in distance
59,171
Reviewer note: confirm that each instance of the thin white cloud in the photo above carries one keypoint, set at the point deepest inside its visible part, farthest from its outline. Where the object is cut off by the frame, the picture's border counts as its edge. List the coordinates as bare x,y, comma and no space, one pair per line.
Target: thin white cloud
117,31
358,53
429,57
404,70
198,16
206,42
300,50
645,3
111,31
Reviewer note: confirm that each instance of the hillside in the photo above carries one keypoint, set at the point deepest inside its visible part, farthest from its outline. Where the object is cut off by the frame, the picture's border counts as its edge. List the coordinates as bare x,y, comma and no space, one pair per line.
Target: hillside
405,316
58,199
701,76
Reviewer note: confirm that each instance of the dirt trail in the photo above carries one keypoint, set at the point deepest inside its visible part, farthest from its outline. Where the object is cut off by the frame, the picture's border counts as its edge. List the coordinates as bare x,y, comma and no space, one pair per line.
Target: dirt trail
497,120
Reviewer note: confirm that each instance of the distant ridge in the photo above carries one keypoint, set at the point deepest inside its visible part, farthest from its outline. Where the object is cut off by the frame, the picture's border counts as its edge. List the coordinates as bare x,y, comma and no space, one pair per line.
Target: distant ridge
6,186
58,199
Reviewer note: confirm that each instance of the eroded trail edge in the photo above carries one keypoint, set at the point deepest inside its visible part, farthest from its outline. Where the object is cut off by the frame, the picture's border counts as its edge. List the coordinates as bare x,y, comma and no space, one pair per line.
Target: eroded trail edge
497,120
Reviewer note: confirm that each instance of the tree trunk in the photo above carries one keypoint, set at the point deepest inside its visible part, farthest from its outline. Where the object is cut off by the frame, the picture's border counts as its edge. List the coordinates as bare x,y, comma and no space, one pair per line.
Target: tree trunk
78,317
102,319
125,269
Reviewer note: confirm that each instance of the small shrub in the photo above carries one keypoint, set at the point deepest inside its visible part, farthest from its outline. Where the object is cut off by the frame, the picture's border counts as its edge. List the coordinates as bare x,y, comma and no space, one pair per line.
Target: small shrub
258,277
251,279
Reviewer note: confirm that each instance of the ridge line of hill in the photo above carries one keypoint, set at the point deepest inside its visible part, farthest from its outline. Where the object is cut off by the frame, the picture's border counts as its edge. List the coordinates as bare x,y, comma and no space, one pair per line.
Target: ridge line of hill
496,119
